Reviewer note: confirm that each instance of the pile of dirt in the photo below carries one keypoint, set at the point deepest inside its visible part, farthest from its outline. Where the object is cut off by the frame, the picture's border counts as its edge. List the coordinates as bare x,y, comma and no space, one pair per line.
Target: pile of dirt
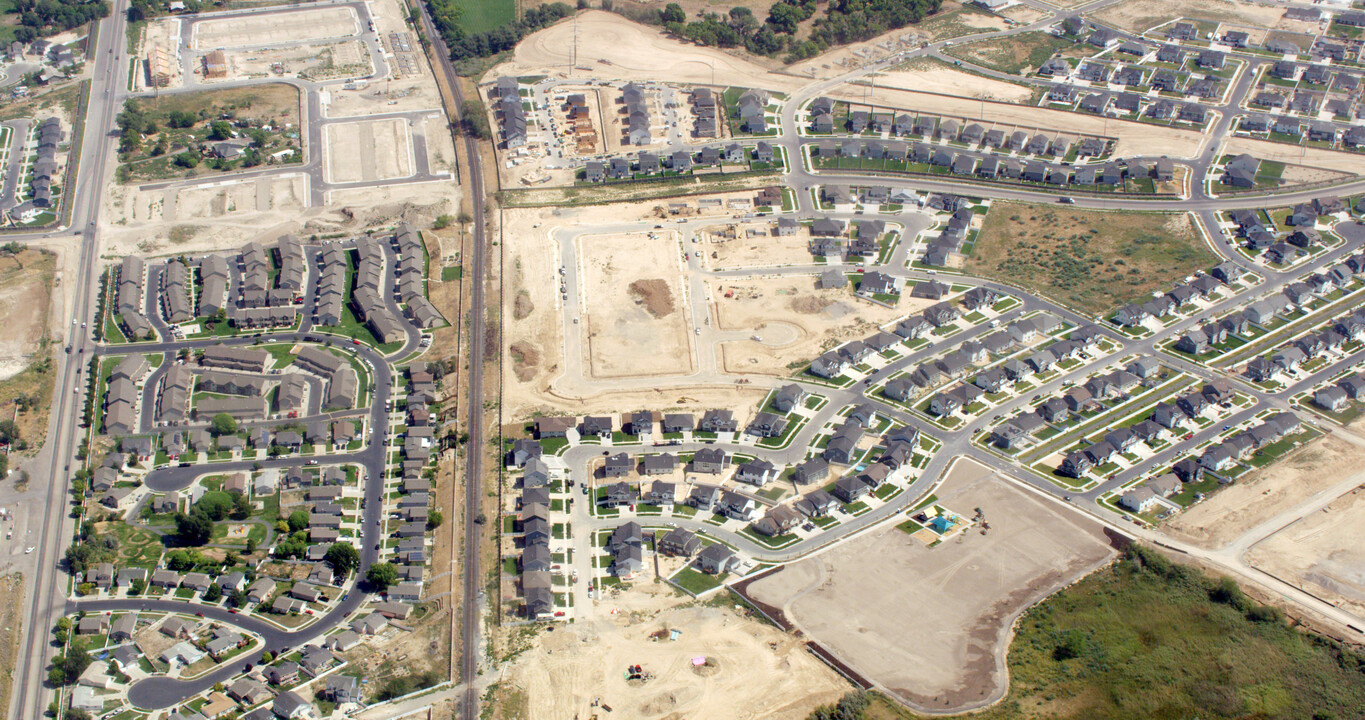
654,295
707,669
809,304
522,306
525,358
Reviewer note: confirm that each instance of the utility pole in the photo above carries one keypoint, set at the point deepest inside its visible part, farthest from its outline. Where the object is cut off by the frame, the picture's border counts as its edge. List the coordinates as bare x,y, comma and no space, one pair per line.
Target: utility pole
573,59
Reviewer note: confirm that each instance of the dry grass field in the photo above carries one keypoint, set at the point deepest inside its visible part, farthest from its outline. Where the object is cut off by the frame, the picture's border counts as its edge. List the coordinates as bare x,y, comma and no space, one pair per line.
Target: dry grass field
1091,260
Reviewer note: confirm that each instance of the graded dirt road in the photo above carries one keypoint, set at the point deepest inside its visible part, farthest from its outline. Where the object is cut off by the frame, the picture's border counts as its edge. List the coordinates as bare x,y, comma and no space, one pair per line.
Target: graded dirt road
931,624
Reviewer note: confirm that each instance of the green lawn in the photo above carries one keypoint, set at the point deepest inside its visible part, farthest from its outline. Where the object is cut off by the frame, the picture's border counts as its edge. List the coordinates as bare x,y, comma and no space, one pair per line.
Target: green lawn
697,582
478,16
1146,638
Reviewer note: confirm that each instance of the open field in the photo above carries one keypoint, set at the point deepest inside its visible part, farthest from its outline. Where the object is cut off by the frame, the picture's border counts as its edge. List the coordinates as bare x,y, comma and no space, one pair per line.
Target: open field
320,61
637,315
770,250
931,624
1132,138
1091,260
1140,15
478,16
1234,510
935,76
755,671
269,29
1016,54
1322,553
25,298
1098,649
794,319
368,150
624,50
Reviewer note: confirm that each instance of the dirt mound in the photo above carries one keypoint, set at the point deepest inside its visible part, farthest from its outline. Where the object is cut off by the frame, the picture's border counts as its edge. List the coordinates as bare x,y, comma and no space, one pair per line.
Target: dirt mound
809,304
654,295
522,306
659,704
711,667
525,358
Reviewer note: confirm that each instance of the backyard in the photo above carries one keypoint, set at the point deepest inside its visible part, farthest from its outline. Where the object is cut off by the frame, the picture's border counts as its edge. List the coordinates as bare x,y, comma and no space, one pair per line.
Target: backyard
1092,260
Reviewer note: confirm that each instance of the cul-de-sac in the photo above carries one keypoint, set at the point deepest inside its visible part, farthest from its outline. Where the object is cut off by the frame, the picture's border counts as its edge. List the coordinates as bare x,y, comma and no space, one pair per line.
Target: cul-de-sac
692,360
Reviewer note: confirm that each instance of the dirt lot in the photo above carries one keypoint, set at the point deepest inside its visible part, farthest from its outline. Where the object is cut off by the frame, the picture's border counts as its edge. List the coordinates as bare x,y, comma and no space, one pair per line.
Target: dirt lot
25,298
937,77
159,37
369,150
11,620
534,356
309,61
1232,511
769,250
635,300
755,670
932,625
1313,158
274,27
1091,260
1139,15
205,219
624,50
1018,54
1322,553
795,320
1133,138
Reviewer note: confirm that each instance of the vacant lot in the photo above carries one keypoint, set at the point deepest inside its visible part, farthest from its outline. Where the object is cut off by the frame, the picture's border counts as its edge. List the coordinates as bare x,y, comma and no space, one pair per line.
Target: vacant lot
753,670
794,321
368,150
478,16
637,319
1094,261
931,624
276,27
11,619
1140,15
177,131
1016,54
1322,554
1099,648
934,75
1232,511
25,296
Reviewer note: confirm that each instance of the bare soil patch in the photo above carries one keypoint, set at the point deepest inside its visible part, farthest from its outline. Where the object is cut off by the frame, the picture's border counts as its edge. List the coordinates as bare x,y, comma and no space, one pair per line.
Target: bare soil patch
937,77
25,299
654,296
1141,15
624,50
794,320
522,305
525,358
272,28
1234,510
752,669
1323,553
623,337
1091,260
1292,155
932,624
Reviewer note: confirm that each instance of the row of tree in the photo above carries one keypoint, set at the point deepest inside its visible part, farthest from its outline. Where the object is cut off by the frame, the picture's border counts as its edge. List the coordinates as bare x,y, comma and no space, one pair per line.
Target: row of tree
845,21
464,44
40,18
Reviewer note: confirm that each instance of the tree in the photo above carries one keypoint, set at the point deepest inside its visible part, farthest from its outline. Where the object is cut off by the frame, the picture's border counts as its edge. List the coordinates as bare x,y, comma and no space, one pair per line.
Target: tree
298,520
182,560
220,130
343,558
241,506
381,575
267,657
434,519
474,119
193,529
231,559
181,119
222,424
215,505
673,13
851,706
188,160
213,594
